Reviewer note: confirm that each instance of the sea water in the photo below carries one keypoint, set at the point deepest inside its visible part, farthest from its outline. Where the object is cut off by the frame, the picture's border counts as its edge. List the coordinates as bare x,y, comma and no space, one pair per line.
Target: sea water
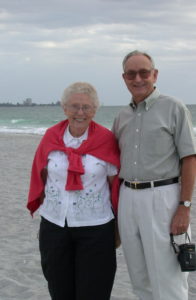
36,119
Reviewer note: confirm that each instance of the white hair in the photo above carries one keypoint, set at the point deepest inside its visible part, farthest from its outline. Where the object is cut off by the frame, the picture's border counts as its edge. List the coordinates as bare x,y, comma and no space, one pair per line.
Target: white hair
136,52
80,88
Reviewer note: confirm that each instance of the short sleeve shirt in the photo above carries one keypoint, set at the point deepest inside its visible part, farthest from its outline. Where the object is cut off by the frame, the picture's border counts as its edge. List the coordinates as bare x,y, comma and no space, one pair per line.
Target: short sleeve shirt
153,137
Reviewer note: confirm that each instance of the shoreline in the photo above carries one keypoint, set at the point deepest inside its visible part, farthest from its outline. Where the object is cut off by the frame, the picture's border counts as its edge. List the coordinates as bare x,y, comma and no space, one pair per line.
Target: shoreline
20,271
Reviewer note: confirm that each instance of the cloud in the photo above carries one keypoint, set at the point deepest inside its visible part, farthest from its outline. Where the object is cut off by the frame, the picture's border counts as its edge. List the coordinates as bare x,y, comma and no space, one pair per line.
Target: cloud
90,38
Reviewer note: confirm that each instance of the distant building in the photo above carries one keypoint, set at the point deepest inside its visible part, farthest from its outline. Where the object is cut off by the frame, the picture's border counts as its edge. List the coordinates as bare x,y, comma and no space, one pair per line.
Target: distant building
27,102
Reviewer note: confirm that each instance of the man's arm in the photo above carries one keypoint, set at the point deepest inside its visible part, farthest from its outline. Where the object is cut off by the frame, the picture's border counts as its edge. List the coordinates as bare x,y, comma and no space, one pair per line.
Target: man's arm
181,219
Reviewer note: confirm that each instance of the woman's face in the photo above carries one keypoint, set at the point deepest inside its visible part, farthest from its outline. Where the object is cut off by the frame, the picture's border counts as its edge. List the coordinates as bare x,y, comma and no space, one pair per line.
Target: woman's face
79,110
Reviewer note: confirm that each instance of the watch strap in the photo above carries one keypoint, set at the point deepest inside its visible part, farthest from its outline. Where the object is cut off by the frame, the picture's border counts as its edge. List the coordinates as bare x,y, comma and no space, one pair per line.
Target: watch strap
185,202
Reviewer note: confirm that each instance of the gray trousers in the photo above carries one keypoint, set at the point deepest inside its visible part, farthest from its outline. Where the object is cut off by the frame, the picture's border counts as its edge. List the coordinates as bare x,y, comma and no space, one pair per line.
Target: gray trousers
144,224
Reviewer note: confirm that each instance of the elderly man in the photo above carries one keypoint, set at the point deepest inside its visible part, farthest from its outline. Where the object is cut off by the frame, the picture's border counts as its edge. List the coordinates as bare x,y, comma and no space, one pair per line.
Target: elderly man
158,168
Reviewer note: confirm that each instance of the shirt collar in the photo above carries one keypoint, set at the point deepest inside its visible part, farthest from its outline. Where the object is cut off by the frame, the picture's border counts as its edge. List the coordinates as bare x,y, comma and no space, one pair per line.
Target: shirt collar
149,100
69,138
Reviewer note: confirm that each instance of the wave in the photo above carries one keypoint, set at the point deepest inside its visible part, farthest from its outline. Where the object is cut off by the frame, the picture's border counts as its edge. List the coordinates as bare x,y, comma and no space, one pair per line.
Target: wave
17,121
23,130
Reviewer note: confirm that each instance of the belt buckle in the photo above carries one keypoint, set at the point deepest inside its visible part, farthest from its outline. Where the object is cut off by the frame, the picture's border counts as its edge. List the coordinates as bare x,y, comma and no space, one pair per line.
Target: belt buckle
135,183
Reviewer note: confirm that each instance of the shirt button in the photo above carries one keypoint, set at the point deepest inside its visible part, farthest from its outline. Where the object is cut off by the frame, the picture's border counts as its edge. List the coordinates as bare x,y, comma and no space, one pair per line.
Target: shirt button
135,163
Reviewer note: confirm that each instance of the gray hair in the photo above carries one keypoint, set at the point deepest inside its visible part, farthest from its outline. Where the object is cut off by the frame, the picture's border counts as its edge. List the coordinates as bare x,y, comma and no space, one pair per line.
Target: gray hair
137,52
80,88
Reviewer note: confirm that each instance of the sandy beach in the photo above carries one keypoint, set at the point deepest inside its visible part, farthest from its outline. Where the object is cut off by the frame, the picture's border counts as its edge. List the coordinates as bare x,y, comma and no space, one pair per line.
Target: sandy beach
20,272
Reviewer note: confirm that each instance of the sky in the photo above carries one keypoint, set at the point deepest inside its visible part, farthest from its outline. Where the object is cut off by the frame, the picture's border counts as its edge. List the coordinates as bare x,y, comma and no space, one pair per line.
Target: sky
45,45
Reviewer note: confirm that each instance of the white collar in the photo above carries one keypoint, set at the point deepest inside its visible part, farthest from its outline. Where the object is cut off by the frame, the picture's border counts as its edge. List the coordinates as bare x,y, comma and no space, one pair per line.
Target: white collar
68,138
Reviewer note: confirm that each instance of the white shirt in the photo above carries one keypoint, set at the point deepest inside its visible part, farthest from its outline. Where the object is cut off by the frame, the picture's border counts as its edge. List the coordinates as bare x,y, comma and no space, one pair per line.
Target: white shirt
88,207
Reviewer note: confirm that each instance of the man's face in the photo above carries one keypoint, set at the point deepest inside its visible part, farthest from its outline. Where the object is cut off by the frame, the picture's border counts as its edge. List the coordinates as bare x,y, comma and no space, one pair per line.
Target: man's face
139,77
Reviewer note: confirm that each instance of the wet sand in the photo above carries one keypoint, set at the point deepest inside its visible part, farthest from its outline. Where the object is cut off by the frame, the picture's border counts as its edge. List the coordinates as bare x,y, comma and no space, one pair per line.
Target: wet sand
20,272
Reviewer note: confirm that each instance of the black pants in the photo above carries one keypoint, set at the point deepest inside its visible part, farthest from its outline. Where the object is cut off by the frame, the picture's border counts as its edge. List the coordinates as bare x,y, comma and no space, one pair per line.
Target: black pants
79,263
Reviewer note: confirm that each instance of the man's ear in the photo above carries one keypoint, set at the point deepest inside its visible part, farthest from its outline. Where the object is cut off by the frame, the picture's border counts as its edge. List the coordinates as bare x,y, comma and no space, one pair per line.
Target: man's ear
155,74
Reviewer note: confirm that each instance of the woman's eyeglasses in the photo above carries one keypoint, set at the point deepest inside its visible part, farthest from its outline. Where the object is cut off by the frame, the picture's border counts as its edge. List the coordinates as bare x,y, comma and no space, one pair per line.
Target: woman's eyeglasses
76,108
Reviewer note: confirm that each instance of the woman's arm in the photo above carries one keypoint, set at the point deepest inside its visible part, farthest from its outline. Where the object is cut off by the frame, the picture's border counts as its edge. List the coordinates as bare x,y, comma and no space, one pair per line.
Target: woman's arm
44,174
110,180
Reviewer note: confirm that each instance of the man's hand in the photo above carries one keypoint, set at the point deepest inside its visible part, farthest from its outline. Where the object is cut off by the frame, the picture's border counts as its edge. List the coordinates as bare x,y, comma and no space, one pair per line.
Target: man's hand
181,220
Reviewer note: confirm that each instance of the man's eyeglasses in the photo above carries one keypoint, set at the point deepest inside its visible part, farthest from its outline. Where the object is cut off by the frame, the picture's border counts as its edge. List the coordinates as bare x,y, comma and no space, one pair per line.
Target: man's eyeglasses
143,73
76,108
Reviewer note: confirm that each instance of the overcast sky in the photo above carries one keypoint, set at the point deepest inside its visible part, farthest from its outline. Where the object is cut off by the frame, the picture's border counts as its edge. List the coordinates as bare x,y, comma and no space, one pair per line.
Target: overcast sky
45,45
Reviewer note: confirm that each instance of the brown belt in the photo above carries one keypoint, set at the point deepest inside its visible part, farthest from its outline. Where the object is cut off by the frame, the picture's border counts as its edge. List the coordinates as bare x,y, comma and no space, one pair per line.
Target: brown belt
144,185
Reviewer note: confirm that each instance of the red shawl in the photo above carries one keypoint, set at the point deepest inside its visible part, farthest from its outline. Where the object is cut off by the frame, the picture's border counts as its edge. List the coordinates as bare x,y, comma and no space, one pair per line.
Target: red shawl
101,143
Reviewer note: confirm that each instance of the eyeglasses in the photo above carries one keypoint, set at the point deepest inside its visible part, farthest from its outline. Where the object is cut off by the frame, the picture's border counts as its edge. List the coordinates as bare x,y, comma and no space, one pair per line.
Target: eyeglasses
143,73
76,108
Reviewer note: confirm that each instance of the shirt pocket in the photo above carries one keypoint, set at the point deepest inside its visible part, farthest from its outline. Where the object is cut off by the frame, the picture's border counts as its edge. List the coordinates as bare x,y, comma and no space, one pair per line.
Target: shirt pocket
157,143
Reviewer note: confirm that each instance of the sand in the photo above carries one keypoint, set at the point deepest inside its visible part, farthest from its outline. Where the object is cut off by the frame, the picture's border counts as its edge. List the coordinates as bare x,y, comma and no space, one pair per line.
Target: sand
20,272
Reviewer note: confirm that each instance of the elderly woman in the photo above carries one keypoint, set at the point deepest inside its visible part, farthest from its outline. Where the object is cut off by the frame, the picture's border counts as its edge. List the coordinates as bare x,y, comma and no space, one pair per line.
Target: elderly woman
72,173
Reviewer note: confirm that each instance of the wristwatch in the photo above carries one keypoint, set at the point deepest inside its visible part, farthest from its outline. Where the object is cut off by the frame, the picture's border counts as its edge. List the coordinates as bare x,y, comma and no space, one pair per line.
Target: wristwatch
186,203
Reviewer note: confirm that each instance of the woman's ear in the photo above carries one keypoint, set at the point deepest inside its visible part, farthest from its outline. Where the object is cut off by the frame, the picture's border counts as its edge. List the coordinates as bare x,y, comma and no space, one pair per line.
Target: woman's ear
65,110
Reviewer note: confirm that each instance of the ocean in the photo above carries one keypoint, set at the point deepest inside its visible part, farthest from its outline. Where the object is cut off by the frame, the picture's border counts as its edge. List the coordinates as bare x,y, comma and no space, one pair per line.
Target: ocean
36,119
